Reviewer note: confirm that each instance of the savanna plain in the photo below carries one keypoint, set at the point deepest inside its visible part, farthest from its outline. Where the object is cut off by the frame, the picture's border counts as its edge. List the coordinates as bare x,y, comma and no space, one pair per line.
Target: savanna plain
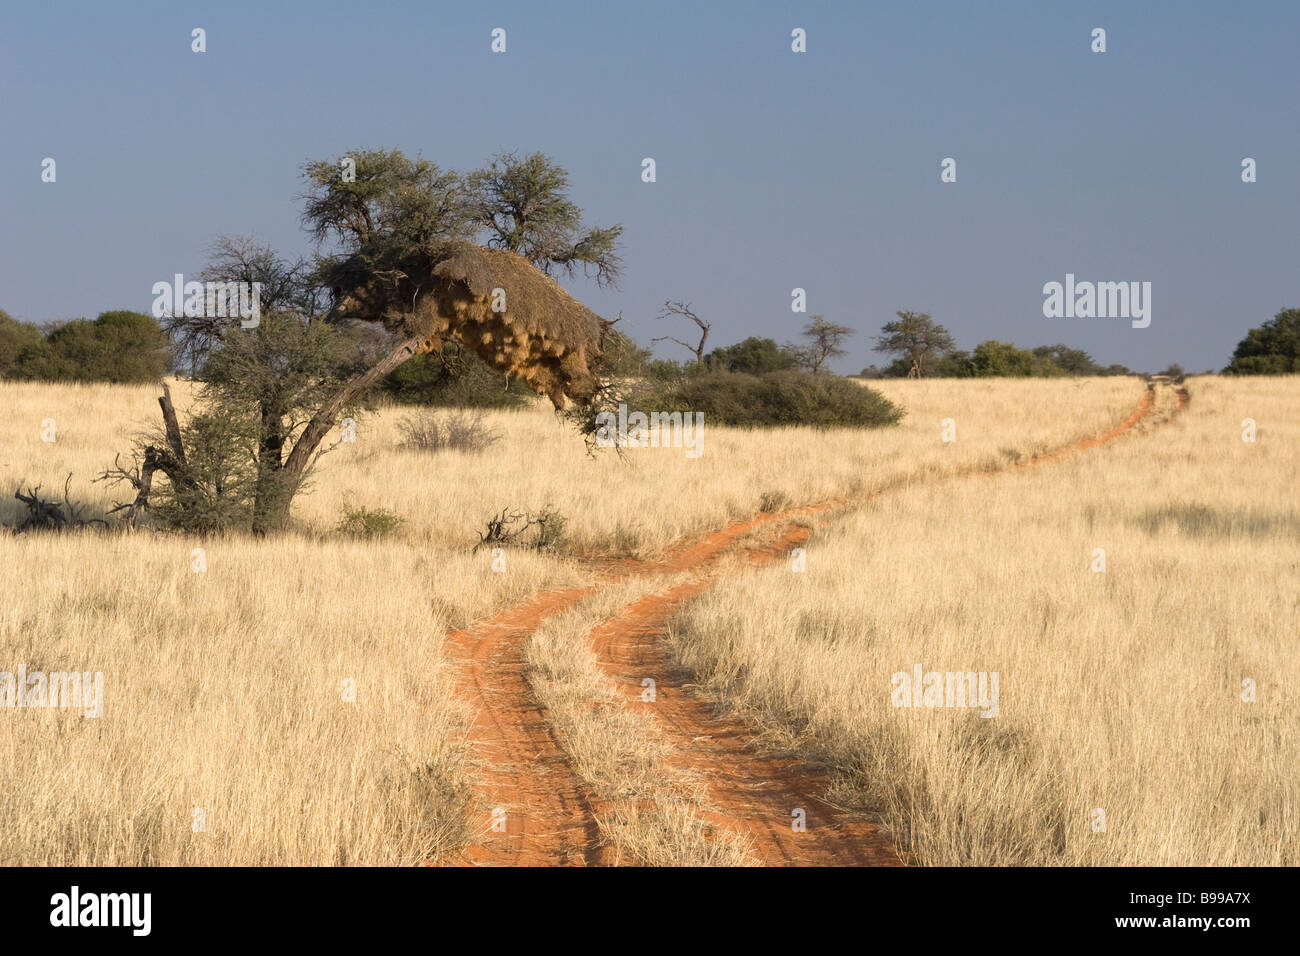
1111,549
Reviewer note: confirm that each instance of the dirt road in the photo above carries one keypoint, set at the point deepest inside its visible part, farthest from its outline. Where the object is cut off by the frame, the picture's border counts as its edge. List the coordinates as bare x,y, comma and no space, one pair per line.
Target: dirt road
537,812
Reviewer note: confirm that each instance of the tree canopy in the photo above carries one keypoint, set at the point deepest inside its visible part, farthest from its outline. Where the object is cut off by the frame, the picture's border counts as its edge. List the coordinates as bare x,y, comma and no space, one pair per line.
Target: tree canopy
916,338
1271,349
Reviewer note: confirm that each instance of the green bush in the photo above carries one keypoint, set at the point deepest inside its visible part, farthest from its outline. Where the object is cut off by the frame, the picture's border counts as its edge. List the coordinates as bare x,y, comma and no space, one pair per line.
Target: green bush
219,496
119,346
1271,349
16,340
755,356
369,522
455,377
777,398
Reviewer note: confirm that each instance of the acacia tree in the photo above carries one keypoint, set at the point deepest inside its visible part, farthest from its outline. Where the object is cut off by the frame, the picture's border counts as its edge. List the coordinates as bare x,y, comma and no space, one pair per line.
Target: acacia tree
522,205
1271,349
917,338
282,385
824,342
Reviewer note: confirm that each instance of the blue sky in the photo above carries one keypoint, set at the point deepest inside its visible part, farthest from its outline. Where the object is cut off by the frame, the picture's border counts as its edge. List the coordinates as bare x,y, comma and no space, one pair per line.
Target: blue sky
775,170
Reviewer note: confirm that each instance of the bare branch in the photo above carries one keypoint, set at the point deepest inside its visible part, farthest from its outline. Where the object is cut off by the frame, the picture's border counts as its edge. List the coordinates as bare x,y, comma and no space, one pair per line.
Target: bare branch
683,309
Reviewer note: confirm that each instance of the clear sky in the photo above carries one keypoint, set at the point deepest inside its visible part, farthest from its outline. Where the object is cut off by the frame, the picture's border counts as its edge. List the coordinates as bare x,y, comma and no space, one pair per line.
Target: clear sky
775,170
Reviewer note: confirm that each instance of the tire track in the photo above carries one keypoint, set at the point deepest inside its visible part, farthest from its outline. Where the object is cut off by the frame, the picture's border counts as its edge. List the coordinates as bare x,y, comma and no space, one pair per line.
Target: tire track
550,815
535,811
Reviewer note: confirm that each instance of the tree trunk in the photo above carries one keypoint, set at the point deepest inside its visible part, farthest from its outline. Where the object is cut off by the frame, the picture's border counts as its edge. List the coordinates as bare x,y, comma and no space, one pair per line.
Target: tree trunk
268,515
274,510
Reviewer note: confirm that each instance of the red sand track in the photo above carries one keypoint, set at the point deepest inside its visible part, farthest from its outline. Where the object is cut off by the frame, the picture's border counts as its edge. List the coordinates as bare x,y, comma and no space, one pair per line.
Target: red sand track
548,811
759,793
550,816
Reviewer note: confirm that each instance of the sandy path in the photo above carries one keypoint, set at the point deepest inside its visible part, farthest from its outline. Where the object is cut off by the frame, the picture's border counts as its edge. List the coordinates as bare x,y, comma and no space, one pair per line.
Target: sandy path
548,812
550,816
773,800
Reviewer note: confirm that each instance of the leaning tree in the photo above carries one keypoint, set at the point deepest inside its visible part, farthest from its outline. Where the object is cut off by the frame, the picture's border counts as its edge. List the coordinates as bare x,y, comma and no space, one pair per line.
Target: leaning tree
398,272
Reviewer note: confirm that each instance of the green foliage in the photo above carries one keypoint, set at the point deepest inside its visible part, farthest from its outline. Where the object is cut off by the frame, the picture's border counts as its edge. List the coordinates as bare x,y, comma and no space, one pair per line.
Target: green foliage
955,364
666,370
994,358
398,204
776,398
455,377
916,338
285,366
522,204
17,339
753,356
365,522
119,346
1271,349
926,347
220,496
1070,361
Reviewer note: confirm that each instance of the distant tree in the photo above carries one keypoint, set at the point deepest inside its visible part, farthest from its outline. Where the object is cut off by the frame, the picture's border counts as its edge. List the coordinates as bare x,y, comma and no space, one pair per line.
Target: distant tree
16,340
994,358
755,355
898,368
825,341
954,364
1116,370
683,309
1071,361
1271,349
522,204
118,346
916,338
664,370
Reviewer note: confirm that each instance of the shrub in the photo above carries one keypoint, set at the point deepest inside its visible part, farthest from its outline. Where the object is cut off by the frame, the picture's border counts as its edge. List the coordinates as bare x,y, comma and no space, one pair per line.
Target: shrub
219,491
428,430
17,339
369,522
120,346
777,398
755,356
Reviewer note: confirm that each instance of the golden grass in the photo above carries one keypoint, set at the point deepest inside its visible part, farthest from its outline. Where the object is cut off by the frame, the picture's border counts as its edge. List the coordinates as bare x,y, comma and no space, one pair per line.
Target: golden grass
638,504
1120,692
225,692
223,688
